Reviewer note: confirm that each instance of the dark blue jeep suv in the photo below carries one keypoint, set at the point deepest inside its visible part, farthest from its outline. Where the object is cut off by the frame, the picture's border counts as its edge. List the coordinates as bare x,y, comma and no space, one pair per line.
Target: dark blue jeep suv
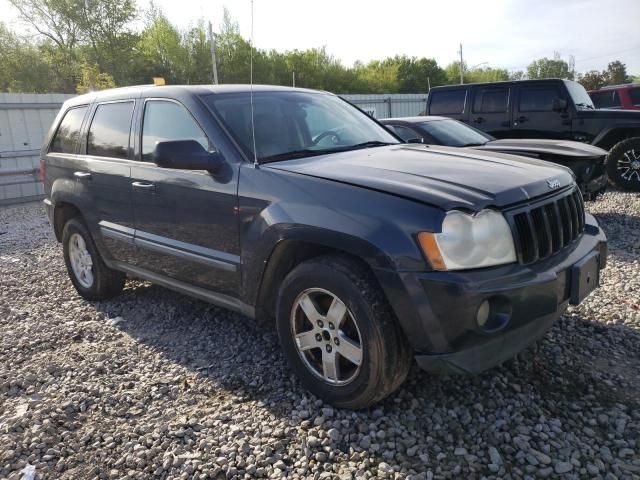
293,205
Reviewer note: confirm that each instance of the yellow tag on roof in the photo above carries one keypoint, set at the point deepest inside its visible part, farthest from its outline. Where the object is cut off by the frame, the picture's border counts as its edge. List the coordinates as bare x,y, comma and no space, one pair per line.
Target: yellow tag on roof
158,81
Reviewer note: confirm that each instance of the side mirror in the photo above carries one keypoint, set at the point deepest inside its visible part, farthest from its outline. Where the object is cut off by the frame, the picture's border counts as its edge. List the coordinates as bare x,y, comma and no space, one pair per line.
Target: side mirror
186,155
558,104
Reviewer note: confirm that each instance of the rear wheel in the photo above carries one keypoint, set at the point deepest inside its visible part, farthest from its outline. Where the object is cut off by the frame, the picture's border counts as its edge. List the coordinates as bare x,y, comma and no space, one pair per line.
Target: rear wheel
623,164
90,276
339,333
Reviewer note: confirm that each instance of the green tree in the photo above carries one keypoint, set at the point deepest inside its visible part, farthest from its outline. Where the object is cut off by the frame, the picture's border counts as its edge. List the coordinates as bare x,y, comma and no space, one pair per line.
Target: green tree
416,74
549,68
616,73
91,78
593,79
24,68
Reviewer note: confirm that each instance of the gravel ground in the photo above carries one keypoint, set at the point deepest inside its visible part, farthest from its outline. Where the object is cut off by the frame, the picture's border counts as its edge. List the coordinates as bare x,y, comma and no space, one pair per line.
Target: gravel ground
154,384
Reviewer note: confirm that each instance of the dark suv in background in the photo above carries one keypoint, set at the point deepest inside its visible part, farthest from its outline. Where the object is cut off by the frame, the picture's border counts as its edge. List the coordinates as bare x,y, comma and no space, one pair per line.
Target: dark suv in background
556,109
366,251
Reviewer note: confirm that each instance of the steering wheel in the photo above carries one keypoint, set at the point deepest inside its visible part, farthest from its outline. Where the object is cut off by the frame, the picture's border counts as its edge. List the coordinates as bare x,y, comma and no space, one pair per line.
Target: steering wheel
325,134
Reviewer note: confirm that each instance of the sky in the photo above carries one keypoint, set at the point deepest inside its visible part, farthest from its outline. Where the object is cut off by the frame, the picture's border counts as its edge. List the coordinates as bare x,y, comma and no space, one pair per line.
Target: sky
504,33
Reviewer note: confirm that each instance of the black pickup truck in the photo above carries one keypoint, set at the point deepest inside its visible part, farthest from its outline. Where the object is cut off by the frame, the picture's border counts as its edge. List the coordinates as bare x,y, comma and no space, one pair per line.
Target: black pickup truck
292,205
555,109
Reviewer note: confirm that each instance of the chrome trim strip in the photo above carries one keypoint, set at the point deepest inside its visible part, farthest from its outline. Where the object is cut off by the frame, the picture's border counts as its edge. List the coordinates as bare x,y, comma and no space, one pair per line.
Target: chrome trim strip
157,243
194,257
188,247
117,232
224,301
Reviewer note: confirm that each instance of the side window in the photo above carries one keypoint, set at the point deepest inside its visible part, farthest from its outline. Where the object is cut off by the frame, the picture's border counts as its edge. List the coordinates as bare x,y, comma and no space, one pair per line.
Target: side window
166,121
447,102
404,133
606,99
491,100
109,130
66,138
634,93
537,99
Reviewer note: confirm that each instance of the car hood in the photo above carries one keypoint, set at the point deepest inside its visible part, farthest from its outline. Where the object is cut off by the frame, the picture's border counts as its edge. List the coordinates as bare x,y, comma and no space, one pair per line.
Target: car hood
445,177
547,148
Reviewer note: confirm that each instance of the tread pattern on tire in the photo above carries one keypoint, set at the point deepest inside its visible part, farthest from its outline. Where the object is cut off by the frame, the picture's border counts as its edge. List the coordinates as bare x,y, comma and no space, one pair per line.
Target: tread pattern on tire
614,155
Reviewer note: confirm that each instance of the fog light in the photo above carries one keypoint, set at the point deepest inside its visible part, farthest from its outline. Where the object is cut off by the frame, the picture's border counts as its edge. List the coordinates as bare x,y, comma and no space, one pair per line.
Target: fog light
483,313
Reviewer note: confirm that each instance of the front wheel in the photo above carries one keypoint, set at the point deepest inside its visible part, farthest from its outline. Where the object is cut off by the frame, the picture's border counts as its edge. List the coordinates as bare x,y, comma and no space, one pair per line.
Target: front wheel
339,333
623,164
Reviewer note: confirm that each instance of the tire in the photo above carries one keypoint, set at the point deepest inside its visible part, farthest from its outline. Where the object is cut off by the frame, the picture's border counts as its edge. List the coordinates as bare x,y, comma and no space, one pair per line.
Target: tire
368,323
623,164
90,276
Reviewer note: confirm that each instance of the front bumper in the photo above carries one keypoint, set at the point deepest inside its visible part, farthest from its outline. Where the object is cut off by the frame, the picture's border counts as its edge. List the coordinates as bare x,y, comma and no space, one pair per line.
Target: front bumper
444,329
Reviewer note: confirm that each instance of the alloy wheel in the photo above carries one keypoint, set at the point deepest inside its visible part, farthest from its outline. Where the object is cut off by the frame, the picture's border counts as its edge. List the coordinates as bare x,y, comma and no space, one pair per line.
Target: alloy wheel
326,336
629,165
81,261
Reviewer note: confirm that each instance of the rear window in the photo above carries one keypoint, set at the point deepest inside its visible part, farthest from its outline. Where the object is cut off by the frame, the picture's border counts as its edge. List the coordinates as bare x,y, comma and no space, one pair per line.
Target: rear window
634,93
491,100
66,138
447,102
537,99
608,99
109,130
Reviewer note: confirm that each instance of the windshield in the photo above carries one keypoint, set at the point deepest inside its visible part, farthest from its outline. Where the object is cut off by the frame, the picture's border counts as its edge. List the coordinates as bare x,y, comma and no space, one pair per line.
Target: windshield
579,95
296,124
453,133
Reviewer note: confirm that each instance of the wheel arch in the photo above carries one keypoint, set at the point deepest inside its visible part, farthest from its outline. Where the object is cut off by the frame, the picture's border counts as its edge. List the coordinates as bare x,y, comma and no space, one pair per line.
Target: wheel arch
296,248
608,138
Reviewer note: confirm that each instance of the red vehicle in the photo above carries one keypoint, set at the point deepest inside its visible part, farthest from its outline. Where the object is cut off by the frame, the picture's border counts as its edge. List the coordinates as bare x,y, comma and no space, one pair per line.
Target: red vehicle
624,97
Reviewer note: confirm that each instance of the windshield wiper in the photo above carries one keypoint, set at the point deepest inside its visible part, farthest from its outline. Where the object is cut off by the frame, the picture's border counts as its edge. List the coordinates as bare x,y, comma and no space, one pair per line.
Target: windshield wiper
473,144
372,143
585,105
306,152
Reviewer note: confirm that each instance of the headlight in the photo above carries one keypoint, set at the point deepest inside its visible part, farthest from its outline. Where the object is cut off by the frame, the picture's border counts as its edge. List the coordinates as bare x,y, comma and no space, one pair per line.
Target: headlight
469,241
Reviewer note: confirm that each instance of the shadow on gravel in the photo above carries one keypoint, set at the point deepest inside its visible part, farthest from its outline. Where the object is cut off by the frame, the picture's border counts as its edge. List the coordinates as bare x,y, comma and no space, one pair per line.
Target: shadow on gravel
579,368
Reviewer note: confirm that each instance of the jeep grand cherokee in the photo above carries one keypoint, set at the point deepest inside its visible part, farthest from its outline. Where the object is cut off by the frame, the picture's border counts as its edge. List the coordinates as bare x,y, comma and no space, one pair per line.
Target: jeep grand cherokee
292,205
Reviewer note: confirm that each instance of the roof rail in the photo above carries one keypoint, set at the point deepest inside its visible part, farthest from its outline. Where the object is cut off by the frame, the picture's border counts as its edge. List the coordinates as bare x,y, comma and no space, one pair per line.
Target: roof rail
607,87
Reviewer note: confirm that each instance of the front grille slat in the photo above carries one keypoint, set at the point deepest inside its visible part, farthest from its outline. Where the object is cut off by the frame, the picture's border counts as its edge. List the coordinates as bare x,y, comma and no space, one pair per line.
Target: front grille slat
545,229
574,217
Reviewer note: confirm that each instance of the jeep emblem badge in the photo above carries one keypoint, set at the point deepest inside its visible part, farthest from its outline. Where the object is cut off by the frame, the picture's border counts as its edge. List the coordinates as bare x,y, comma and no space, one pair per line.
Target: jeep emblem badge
554,183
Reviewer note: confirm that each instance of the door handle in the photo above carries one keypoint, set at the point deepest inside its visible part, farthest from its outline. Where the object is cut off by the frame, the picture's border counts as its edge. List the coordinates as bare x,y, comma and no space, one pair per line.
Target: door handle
478,120
143,186
522,119
82,175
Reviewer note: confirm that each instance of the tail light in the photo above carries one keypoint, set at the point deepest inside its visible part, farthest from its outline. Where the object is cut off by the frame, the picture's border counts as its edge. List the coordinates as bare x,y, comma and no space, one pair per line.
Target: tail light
42,169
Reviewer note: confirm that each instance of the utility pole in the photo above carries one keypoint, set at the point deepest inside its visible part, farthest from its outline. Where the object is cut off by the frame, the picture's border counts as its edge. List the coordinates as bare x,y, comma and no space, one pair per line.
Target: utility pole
428,84
461,66
213,56
294,78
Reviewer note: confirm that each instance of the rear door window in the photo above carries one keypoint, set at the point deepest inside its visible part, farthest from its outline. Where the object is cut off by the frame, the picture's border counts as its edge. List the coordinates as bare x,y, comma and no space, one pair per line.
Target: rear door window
634,94
166,121
448,102
537,99
109,130
66,138
609,99
491,100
